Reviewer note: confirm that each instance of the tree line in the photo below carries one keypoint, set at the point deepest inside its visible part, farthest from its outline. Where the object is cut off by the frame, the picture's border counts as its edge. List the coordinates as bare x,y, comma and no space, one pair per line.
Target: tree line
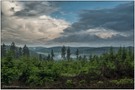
17,52
24,51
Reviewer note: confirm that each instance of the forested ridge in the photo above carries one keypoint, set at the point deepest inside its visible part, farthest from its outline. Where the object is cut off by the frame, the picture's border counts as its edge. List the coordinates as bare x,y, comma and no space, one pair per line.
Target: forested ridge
24,70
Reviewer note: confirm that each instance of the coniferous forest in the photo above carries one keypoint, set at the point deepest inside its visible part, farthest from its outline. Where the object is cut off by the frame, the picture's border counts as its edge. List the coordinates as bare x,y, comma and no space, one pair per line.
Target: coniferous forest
21,69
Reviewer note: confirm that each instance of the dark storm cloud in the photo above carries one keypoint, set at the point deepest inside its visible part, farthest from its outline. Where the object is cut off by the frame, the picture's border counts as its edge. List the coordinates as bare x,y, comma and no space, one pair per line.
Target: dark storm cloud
109,26
120,18
37,8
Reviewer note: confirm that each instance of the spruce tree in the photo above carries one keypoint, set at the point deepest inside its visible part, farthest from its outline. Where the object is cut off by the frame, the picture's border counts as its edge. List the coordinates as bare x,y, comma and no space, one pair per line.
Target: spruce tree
123,53
40,56
90,57
130,53
77,53
119,54
20,51
63,52
52,54
13,49
25,51
111,53
3,50
68,53
17,53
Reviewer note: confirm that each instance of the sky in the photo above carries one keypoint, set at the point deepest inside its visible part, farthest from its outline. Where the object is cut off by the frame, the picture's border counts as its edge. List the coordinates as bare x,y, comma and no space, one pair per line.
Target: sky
70,23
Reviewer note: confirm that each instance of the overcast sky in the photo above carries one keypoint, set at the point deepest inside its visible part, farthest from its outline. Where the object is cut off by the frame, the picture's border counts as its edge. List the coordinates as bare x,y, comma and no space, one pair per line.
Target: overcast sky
90,23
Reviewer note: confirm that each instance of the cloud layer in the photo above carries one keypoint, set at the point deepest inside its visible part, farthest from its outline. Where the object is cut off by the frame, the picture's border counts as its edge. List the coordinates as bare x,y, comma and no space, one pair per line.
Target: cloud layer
102,26
31,23
120,18
27,24
37,8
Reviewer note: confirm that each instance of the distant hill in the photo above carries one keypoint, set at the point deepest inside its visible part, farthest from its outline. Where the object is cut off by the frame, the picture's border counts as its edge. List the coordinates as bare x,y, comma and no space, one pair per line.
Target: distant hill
82,50
35,51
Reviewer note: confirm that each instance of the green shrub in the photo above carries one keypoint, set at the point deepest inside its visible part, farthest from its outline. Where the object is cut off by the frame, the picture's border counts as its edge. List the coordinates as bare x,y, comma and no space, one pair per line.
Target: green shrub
126,81
123,81
69,83
100,82
9,75
82,82
33,80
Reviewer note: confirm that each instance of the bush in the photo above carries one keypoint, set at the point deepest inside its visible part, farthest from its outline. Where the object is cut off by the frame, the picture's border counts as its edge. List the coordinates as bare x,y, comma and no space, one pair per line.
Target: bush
122,81
126,81
82,82
69,83
9,75
100,82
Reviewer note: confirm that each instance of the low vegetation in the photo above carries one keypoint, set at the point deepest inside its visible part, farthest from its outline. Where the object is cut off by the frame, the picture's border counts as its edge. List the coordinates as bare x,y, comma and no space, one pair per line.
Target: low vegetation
109,70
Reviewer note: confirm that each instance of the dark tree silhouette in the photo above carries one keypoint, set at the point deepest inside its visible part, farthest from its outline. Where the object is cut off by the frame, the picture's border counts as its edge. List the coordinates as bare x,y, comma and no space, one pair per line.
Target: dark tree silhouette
3,50
130,53
77,53
123,53
20,51
17,53
13,49
68,53
63,52
119,53
111,52
90,57
52,54
25,51
40,56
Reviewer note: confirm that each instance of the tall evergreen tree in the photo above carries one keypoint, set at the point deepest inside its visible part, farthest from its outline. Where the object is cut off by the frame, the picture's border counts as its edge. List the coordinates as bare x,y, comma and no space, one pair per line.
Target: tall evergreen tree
130,53
90,57
63,52
3,50
20,51
26,51
13,49
123,53
77,53
68,53
119,53
111,53
52,54
17,53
